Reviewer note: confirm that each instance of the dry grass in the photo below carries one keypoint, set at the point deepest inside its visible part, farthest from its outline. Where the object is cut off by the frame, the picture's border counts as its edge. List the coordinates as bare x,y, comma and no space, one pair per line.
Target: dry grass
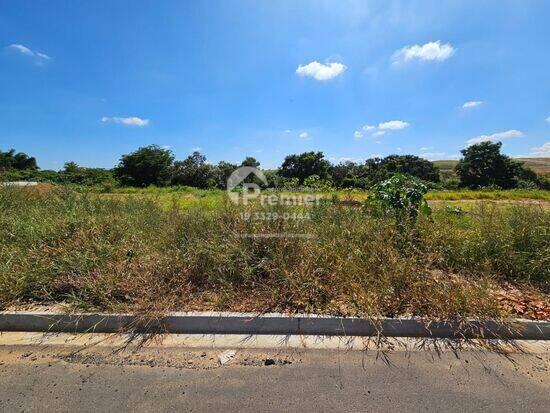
130,254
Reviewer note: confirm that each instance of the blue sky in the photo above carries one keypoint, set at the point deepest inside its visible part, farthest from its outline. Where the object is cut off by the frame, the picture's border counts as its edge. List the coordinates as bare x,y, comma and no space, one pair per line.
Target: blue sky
88,81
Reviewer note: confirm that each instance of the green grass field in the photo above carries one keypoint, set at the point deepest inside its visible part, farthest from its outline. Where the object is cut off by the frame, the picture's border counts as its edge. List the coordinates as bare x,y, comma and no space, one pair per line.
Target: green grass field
213,198
156,250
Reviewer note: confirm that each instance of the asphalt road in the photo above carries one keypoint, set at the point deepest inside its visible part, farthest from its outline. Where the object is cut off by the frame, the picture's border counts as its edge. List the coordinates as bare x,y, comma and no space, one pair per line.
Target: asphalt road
54,379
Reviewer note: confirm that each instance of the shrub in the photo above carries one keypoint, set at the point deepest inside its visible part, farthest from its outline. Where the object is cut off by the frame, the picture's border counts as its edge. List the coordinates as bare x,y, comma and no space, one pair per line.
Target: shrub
401,197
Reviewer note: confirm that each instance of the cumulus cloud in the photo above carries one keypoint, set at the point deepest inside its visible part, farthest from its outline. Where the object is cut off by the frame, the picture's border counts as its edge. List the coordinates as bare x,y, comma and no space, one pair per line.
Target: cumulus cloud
129,121
381,129
320,71
24,50
304,135
495,137
472,104
393,125
541,151
432,51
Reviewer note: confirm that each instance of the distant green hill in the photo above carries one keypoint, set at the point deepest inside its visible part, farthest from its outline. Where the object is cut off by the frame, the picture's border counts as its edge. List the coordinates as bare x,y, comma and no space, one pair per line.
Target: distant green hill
539,165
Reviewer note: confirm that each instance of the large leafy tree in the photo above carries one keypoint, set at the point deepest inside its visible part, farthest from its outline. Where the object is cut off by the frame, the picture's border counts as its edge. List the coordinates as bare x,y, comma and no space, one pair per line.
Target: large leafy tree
250,161
483,165
195,171
21,161
223,171
375,170
303,165
348,174
76,174
410,165
150,165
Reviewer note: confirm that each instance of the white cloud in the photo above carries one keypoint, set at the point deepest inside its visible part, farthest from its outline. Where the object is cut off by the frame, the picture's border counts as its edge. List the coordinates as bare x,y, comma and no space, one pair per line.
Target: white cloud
320,71
472,104
381,129
129,121
393,125
547,119
28,52
165,146
196,149
432,51
346,159
21,49
495,137
303,135
426,148
43,55
541,151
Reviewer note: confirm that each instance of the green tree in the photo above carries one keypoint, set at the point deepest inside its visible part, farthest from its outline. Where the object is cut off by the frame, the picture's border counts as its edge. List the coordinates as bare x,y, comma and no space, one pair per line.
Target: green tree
410,165
150,165
20,161
195,171
303,165
71,168
250,161
483,165
224,170
75,174
347,174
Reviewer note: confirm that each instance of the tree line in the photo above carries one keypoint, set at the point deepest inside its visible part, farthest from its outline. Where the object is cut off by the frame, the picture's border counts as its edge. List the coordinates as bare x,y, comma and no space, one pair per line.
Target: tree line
482,165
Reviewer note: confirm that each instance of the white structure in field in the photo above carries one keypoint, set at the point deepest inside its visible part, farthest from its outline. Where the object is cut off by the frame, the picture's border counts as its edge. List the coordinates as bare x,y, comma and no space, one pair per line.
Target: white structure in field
19,183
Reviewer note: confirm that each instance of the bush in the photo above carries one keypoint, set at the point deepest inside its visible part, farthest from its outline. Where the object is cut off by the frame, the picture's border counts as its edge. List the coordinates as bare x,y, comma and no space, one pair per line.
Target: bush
401,197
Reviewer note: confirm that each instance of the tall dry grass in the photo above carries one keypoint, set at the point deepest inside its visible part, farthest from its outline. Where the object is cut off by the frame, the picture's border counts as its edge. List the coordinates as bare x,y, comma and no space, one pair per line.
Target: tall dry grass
130,254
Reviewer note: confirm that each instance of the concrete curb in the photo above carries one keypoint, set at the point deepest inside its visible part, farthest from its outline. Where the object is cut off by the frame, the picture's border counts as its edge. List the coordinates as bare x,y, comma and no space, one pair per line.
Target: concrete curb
273,324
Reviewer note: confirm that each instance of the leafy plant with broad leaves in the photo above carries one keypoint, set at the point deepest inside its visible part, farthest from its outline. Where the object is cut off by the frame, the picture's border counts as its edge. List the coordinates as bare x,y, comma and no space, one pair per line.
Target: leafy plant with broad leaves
400,196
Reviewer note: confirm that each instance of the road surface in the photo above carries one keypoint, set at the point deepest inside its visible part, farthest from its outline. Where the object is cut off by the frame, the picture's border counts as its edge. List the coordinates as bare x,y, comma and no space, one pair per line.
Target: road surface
56,379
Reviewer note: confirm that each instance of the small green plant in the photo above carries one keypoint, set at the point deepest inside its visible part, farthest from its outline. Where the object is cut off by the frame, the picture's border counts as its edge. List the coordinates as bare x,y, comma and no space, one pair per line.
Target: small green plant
400,196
